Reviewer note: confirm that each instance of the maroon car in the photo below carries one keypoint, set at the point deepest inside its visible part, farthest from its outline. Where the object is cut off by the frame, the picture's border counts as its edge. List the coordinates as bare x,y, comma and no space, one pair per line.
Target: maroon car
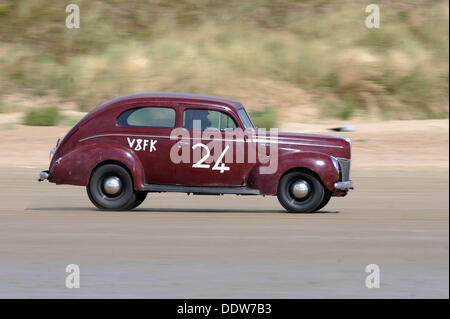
170,142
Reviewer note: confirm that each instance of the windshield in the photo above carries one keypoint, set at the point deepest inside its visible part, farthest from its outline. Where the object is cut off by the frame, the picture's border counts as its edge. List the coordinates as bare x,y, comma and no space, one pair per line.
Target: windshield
243,115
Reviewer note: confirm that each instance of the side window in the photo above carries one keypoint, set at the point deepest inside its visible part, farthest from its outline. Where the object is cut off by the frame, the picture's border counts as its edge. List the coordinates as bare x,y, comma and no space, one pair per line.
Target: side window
208,119
227,122
158,117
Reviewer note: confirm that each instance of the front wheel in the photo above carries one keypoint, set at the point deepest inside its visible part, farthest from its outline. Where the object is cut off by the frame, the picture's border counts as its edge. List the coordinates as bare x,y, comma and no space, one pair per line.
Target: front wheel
325,200
111,188
300,192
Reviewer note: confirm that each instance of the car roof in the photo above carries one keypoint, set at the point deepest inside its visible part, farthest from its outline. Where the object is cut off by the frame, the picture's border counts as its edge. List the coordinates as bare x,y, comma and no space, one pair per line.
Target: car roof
159,96
179,97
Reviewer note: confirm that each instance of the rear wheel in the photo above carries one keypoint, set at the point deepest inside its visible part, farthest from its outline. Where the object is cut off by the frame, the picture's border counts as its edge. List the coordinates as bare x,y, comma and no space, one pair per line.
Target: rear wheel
300,192
111,188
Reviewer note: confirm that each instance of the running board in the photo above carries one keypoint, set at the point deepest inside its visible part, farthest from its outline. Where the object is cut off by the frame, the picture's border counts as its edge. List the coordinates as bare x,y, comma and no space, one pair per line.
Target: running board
215,190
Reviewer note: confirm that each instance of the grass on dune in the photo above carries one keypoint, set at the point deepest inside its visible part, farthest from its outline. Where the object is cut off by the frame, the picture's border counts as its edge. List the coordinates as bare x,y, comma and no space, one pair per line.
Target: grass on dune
49,116
214,47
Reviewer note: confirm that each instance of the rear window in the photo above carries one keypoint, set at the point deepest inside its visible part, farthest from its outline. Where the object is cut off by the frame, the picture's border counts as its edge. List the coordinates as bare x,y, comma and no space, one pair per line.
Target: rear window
158,117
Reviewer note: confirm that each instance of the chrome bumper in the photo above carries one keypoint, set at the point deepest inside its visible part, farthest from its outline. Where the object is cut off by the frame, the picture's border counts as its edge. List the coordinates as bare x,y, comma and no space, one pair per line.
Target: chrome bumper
43,175
343,186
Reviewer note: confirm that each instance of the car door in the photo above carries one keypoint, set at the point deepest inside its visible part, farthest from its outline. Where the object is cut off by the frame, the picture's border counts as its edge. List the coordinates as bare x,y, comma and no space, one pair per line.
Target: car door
212,160
146,129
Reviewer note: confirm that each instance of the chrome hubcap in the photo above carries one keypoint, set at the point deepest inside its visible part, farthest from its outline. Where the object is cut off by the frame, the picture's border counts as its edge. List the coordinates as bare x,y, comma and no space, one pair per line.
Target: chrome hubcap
300,189
112,185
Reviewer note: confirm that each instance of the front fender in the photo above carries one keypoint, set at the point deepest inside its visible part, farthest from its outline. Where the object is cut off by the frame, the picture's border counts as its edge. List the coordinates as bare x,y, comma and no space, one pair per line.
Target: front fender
319,163
75,167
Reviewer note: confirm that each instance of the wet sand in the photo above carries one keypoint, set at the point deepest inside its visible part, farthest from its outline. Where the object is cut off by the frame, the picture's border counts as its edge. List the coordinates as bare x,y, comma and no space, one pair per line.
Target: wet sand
175,246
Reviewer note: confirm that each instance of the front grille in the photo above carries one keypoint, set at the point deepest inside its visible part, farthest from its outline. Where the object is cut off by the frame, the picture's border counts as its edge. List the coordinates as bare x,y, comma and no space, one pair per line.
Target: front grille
344,164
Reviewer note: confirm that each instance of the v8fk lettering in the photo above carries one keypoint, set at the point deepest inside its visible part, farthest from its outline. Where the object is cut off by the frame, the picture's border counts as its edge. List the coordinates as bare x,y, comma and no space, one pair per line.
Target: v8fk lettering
142,144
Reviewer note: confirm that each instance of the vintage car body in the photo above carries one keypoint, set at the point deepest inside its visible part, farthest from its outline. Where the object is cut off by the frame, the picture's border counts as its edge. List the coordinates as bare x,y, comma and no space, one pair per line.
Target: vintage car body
105,137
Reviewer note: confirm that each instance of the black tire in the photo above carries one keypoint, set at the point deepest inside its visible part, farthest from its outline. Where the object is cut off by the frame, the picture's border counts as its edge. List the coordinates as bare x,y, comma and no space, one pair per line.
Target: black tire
325,200
125,199
140,197
307,204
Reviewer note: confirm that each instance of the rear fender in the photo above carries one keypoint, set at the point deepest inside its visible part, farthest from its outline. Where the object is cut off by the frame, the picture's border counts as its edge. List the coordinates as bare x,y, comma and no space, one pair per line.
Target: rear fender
75,167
